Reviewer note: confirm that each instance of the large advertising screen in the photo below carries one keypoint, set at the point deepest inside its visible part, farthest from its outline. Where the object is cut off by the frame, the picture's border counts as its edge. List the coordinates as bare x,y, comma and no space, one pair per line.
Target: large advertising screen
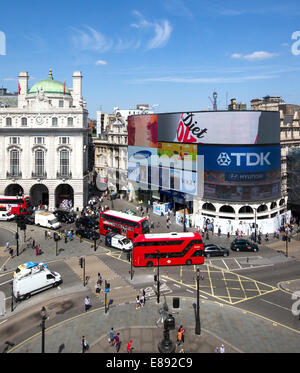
248,173
142,130
223,127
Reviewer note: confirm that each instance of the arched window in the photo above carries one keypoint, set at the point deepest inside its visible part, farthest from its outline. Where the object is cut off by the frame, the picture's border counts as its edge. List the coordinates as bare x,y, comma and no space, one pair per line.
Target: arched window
246,209
39,164
262,208
227,208
14,162
70,121
54,121
64,162
208,206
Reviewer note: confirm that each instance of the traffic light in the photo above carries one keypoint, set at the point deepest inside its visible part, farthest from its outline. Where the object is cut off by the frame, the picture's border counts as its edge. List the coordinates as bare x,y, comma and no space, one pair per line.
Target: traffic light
155,278
128,257
81,262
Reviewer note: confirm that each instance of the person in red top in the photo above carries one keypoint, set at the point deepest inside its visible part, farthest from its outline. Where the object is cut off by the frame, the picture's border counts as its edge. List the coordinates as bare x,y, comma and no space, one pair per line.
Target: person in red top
129,348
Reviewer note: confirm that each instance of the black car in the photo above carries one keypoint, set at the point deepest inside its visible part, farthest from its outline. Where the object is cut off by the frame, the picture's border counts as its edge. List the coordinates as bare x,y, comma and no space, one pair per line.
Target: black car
87,233
240,244
215,250
64,216
87,222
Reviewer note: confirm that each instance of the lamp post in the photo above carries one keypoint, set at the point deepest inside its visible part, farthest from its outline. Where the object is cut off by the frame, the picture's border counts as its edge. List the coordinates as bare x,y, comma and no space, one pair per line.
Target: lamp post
158,283
198,323
12,296
44,318
255,209
184,226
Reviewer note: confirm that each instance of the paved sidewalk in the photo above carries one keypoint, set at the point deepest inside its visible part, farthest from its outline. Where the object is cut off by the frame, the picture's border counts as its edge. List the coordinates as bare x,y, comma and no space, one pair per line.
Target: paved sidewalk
238,330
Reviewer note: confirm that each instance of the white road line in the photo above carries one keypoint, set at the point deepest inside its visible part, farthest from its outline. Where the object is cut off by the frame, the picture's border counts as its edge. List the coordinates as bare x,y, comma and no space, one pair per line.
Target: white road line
252,267
238,263
177,285
7,298
3,321
225,264
190,291
6,282
202,296
274,304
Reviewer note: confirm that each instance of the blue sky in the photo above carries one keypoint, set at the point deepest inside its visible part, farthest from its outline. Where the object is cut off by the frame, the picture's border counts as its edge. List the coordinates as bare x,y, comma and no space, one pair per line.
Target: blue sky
173,53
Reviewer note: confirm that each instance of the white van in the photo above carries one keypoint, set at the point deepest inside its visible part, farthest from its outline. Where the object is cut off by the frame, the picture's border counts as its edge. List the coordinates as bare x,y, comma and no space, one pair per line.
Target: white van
118,241
26,283
46,219
4,215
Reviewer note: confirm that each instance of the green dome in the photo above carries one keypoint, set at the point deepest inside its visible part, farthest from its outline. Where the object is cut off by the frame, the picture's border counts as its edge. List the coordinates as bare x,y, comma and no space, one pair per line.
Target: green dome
50,86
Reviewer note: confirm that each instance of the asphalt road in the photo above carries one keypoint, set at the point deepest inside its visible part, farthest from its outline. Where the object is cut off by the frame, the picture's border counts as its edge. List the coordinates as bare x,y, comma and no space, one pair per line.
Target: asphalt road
250,281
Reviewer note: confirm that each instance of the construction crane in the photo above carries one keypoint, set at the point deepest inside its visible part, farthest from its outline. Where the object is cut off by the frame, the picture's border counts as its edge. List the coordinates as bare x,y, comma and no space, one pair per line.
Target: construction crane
214,102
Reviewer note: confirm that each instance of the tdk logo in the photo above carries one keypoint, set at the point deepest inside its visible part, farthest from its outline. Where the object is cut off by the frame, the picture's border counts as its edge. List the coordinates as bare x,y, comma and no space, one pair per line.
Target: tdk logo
248,159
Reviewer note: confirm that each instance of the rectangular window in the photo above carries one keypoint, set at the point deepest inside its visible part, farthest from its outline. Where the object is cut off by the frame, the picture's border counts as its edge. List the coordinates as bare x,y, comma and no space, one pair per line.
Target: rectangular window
14,140
61,103
24,121
8,122
14,162
64,140
64,162
39,140
39,162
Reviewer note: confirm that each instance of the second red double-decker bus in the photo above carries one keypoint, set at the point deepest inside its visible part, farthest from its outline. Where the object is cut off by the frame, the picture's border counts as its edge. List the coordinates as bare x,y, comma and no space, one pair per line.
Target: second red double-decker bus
16,205
125,224
167,248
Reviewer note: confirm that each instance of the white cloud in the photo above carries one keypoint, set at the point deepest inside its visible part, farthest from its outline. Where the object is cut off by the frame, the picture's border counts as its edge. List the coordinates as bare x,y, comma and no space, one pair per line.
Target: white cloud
255,56
91,40
100,62
162,30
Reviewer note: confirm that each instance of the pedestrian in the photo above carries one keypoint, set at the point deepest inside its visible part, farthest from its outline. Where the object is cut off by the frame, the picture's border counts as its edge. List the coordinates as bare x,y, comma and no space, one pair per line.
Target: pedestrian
217,350
99,279
66,238
179,337
207,235
222,349
36,250
142,301
98,289
49,235
129,347
228,235
182,333
144,295
46,235
70,236
219,231
138,302
117,342
111,336
7,245
11,252
33,243
87,304
84,344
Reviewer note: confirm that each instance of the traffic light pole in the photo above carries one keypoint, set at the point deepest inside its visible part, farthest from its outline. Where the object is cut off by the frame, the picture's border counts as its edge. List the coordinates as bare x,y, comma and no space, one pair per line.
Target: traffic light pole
17,238
83,271
158,283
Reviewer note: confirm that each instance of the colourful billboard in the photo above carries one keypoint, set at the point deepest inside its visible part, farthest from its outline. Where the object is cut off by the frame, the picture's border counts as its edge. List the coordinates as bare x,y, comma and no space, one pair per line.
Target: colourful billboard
142,130
180,156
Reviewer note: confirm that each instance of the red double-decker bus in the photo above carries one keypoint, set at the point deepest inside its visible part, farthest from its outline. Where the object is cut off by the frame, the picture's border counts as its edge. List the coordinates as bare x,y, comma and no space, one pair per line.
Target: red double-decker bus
168,248
16,205
125,224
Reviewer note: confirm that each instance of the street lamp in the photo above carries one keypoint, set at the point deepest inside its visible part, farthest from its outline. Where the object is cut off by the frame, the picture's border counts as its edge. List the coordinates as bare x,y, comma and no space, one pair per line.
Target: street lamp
255,209
44,318
184,226
198,323
158,283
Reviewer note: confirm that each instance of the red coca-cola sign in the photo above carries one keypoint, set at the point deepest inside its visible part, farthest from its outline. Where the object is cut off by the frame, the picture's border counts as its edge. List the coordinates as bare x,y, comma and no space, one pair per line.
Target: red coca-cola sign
188,130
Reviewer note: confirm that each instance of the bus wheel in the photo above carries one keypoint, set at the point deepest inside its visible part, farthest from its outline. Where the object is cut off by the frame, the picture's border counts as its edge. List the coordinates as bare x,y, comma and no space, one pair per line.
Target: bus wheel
149,264
189,262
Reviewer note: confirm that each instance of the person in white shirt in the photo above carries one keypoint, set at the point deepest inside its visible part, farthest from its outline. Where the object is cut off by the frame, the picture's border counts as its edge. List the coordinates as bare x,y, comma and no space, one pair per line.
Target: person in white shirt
222,349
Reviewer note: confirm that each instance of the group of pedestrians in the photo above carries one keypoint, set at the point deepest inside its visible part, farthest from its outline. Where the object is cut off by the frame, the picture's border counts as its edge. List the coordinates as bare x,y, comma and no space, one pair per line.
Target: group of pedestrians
114,340
140,300
220,349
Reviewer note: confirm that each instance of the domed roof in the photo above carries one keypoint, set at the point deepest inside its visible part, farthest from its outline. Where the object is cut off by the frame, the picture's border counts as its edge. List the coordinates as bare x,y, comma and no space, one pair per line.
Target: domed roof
50,86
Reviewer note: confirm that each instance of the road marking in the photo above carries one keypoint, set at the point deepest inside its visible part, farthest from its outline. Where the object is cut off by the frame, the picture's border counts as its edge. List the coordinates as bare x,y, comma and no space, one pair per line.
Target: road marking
190,291
7,298
3,321
274,304
5,263
177,285
225,264
6,282
238,263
